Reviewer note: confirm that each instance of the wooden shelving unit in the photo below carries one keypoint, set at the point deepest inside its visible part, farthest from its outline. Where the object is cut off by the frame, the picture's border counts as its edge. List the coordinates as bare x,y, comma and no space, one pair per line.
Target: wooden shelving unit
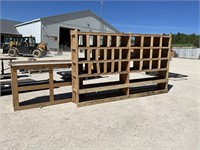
51,84
96,54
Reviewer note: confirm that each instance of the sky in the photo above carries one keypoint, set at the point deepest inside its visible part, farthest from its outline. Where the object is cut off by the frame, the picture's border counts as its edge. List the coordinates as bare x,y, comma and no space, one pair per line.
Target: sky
126,16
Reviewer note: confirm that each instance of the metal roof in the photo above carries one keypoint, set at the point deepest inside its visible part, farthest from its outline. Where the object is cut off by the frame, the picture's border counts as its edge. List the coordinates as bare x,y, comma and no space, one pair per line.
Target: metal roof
7,26
70,16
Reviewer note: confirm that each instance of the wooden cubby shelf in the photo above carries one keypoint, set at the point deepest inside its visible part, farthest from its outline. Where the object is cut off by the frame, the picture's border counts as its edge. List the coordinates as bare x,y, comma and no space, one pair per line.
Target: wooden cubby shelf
96,54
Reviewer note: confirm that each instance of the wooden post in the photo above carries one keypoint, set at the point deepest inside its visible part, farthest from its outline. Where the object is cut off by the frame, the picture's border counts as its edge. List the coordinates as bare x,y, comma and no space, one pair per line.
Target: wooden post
14,88
51,87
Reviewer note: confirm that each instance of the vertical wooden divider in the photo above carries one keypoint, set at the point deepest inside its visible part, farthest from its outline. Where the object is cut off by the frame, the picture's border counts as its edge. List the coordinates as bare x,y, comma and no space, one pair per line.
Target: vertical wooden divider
141,52
75,72
51,87
112,58
159,54
151,53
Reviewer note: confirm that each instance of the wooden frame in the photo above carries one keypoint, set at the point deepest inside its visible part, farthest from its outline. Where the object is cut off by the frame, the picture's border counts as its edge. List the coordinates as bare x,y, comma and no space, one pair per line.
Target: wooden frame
96,54
113,53
51,85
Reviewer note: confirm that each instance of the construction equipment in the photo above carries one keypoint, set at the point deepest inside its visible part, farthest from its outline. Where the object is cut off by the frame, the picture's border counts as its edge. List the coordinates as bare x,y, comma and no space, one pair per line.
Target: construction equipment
27,46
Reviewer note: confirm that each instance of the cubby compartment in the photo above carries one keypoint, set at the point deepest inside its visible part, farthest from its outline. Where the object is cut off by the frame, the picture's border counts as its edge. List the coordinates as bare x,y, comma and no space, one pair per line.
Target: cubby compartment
82,55
162,74
155,53
125,53
137,42
109,54
165,42
136,65
93,54
155,64
132,41
156,41
116,54
93,41
94,68
113,41
109,65
135,53
101,54
145,64
164,53
124,41
146,53
144,89
163,64
82,68
82,41
124,66
103,41
116,66
101,65
97,96
147,42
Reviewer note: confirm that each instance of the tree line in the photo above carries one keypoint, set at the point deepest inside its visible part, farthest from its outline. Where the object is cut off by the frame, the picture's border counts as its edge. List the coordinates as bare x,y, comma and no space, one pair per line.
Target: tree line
185,40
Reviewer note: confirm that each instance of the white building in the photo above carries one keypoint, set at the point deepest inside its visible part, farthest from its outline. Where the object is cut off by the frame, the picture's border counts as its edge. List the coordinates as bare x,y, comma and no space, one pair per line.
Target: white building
55,30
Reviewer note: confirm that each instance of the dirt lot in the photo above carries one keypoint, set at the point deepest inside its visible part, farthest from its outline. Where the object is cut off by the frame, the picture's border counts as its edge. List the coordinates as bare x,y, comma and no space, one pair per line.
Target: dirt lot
160,122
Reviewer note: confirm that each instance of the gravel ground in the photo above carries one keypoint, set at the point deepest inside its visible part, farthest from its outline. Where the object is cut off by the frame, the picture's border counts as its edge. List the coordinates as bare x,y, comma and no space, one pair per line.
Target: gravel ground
160,122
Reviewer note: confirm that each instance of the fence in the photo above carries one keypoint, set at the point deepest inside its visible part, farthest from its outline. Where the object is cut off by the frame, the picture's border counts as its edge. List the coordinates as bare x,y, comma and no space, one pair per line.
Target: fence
192,53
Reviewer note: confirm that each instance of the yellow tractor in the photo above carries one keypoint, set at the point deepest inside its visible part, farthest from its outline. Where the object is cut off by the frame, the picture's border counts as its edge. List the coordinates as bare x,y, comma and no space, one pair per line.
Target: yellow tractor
27,46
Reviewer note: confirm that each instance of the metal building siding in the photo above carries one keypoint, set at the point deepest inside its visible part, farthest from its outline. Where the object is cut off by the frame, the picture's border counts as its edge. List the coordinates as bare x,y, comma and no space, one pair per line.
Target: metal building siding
192,53
50,28
33,29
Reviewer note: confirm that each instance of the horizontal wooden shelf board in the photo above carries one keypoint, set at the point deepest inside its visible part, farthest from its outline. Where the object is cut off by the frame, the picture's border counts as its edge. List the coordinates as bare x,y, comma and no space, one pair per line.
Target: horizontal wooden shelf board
101,95
145,88
43,99
99,101
149,47
49,62
147,93
103,34
149,35
147,70
121,34
102,87
102,61
103,47
146,59
99,74
28,105
139,82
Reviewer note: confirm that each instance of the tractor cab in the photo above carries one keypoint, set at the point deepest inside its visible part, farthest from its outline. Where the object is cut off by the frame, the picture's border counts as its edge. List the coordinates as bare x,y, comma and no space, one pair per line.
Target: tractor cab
26,45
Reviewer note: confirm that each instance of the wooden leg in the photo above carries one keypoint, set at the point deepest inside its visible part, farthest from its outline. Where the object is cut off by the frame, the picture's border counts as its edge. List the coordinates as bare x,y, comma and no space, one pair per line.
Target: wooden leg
15,93
51,87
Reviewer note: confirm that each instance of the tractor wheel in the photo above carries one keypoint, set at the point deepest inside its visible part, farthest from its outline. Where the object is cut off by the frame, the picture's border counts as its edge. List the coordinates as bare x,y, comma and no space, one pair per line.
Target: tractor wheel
37,53
12,52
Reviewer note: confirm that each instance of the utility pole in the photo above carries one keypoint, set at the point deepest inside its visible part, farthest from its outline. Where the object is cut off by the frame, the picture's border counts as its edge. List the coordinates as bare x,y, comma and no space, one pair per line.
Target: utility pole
101,11
101,15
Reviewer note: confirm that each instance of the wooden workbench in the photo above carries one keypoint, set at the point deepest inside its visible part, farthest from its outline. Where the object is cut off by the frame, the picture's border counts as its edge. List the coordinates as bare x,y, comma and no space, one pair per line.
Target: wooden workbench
50,65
